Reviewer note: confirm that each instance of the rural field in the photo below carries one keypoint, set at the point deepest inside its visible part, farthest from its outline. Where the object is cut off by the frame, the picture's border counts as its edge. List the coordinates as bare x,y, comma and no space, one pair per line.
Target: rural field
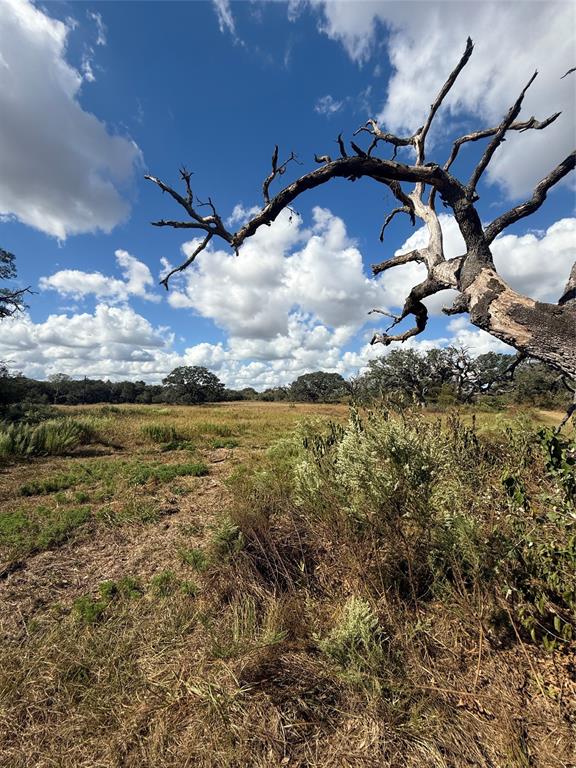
265,584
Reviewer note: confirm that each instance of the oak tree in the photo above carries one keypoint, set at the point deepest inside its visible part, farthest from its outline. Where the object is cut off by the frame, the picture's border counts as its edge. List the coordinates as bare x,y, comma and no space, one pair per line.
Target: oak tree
536,329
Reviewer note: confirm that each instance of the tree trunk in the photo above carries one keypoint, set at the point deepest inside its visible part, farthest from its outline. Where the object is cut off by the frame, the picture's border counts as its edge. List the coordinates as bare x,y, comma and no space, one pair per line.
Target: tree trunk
544,331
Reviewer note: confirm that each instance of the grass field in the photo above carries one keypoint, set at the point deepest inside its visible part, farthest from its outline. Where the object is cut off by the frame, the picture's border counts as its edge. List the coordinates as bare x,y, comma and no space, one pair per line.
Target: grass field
272,585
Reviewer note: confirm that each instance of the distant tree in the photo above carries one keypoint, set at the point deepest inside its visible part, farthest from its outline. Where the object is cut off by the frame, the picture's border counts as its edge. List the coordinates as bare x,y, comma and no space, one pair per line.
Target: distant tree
406,372
58,383
275,394
10,300
539,384
451,374
192,384
318,387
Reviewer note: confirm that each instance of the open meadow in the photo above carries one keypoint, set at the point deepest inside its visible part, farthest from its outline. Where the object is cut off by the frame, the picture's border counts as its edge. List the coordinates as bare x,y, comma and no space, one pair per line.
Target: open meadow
269,584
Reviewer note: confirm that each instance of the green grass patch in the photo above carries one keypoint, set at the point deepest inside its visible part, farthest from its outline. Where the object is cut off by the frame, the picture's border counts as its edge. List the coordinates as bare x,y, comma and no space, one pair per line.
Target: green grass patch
25,531
140,474
223,443
195,558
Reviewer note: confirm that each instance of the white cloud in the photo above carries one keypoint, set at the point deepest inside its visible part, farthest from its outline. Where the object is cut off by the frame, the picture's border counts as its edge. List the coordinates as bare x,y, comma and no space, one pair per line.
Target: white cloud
328,105
285,270
538,264
77,284
61,168
511,41
100,27
87,69
294,300
226,18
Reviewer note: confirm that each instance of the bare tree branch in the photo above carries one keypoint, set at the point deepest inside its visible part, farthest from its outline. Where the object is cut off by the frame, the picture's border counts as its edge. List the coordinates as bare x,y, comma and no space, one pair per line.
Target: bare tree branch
388,219
212,224
378,135
402,258
512,114
201,246
569,411
277,170
420,137
522,126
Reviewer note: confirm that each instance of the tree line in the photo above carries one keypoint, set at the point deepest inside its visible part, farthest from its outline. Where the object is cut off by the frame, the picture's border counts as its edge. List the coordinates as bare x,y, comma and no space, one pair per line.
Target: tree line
438,377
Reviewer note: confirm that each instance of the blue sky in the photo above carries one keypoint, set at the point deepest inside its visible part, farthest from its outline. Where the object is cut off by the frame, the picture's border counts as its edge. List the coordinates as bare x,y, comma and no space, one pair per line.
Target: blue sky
95,95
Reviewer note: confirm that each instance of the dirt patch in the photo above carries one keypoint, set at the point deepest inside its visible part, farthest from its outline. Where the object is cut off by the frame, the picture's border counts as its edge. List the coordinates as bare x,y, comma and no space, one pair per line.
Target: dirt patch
59,576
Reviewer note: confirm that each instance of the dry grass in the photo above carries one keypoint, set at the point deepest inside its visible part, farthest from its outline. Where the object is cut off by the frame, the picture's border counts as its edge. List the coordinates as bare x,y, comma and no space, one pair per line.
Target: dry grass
224,639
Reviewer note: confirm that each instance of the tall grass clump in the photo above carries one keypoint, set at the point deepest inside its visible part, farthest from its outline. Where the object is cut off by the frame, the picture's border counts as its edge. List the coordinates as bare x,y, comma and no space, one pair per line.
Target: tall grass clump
48,438
160,433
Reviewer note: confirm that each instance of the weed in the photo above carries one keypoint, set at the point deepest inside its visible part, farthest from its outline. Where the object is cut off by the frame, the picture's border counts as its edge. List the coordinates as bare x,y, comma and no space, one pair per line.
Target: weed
356,641
189,588
227,539
164,583
88,610
194,557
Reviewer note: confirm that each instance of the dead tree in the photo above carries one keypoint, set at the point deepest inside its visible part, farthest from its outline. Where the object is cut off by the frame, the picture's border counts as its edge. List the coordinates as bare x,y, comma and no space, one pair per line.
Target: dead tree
534,328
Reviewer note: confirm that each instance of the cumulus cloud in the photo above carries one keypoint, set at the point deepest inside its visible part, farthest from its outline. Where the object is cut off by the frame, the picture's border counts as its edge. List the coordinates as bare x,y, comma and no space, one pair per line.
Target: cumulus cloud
77,284
425,40
476,341
61,167
285,270
113,341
